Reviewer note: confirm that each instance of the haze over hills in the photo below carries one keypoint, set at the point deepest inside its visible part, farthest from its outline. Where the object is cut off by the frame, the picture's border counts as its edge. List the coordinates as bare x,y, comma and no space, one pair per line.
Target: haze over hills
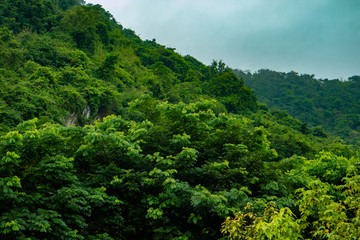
106,136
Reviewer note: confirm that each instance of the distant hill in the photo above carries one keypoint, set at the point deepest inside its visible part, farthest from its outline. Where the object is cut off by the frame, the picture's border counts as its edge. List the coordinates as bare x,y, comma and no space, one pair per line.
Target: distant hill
331,104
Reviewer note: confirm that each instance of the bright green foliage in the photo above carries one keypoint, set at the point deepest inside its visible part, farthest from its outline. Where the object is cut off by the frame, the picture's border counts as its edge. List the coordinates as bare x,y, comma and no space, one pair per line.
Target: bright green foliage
328,167
324,217
326,211
271,224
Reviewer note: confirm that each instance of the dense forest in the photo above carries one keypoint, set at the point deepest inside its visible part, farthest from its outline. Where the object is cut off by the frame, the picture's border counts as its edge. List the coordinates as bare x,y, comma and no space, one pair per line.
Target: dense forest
107,136
331,104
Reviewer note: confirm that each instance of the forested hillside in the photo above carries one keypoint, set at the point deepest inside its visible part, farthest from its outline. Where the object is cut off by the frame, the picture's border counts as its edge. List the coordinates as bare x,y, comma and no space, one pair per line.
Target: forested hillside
107,136
332,104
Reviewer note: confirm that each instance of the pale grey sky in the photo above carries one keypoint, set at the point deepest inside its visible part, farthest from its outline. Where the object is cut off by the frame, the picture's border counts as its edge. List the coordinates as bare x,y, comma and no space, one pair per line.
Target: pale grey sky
320,37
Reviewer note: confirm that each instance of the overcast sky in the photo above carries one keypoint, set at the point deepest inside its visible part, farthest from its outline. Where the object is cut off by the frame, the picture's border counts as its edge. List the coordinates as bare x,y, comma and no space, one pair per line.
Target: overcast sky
320,37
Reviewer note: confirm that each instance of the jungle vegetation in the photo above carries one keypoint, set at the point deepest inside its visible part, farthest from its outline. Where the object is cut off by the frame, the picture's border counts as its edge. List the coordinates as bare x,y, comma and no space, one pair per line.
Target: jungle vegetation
107,136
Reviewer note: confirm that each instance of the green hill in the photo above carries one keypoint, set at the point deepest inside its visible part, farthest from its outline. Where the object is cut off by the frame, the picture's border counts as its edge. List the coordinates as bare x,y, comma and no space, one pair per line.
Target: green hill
107,136
331,104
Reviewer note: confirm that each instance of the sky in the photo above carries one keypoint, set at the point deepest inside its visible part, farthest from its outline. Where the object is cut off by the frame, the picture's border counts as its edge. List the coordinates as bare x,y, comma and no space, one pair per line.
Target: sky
320,37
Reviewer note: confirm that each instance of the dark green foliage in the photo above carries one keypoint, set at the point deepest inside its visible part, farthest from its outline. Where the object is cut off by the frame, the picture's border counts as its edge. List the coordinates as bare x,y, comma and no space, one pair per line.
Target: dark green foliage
35,15
43,50
11,54
229,89
80,23
66,4
225,84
